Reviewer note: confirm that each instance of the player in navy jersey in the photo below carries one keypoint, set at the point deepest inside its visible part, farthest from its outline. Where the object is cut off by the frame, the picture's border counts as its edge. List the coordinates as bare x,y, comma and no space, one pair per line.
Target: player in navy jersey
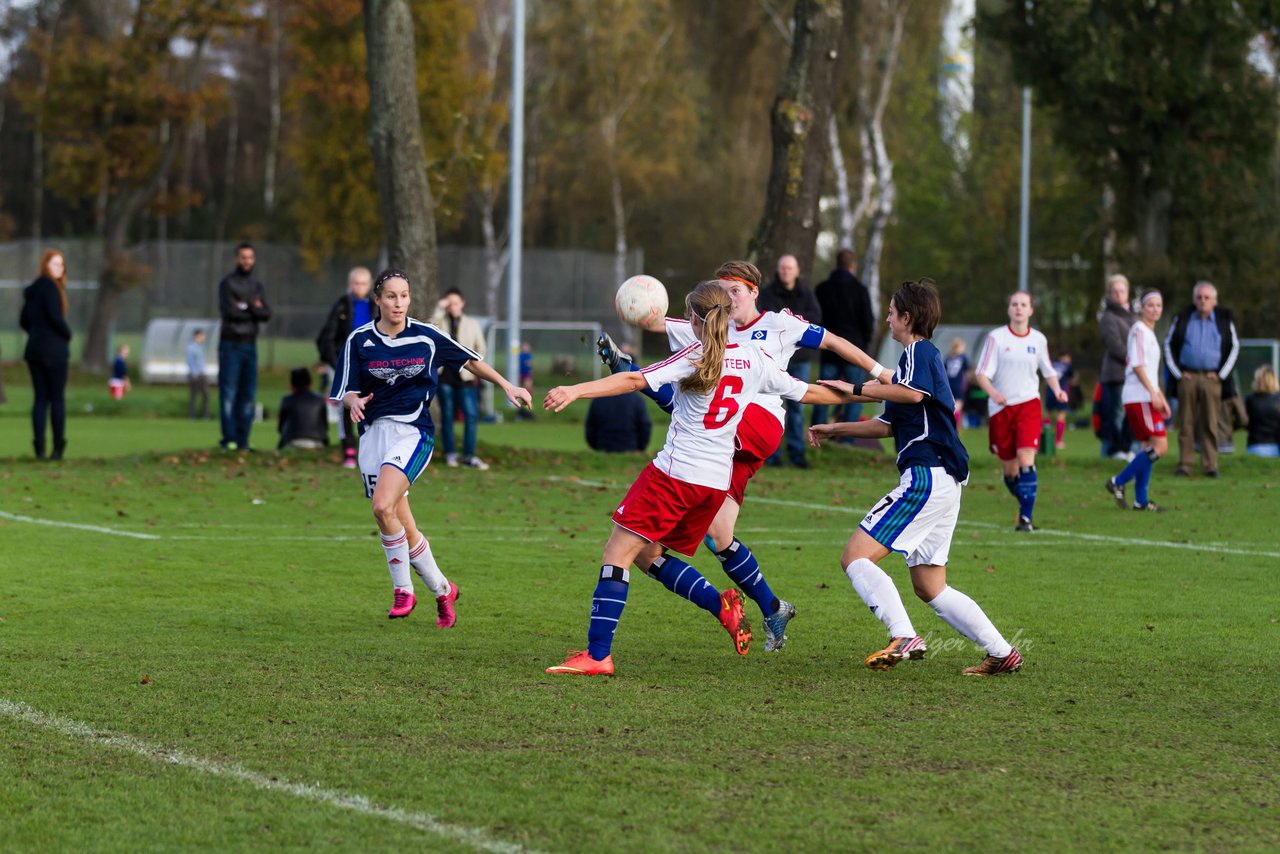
677,496
917,519
761,431
387,377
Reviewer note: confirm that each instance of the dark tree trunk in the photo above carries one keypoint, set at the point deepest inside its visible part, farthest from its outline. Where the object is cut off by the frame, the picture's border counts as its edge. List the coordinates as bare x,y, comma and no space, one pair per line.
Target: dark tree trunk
399,157
799,118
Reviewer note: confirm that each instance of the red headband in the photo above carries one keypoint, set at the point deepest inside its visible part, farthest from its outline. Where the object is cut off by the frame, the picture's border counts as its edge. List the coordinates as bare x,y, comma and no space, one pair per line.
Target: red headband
751,285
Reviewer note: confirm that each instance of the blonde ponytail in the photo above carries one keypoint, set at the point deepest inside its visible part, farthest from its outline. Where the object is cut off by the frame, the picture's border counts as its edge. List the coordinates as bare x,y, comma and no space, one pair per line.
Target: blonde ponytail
712,305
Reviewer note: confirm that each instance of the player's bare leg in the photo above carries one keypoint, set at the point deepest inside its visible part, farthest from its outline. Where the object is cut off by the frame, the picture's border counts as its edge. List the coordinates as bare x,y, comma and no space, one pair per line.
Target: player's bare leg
622,549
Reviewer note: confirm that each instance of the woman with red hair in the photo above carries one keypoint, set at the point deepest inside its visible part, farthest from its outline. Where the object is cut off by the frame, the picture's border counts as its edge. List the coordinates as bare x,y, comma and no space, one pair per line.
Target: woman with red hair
48,354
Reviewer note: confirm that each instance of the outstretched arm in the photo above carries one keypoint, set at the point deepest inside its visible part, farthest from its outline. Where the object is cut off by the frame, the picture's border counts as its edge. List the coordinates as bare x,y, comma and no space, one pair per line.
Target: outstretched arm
519,397
871,429
876,392
855,355
611,386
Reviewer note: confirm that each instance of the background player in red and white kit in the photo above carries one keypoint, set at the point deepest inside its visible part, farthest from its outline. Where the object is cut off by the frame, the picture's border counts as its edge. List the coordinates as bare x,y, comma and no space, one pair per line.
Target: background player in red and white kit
1011,357
387,376
675,499
760,434
1144,405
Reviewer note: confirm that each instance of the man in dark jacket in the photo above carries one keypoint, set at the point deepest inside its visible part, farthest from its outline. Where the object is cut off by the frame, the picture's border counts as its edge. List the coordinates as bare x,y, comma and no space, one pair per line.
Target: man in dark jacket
786,291
304,415
846,311
242,301
352,310
1200,352
1113,327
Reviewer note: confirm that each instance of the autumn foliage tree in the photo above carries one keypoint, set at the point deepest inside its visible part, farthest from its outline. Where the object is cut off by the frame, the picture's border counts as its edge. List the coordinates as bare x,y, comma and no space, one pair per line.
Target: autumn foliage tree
117,100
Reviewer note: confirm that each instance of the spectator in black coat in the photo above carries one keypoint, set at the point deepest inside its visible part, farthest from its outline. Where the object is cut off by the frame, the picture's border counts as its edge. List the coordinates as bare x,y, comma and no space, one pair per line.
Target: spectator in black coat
845,304
352,310
618,424
304,415
48,351
788,293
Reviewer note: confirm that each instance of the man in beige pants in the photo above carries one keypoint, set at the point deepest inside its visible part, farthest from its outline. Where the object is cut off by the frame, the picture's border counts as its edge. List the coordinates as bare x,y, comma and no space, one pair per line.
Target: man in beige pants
1201,350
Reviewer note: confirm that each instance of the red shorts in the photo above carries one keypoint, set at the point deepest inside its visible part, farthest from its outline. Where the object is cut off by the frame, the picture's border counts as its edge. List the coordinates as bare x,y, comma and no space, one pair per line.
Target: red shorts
1144,421
1015,427
668,511
759,435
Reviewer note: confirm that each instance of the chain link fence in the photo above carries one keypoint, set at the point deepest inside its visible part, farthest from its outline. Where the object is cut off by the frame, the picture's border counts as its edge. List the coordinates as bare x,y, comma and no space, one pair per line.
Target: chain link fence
182,282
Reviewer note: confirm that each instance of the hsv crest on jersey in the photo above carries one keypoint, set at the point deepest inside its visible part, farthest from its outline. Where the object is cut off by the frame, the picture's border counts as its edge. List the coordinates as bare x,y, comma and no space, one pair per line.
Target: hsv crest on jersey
759,335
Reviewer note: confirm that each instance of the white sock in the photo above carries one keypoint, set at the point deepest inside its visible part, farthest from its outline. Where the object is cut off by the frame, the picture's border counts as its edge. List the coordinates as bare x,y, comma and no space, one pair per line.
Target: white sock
876,588
965,616
397,548
424,563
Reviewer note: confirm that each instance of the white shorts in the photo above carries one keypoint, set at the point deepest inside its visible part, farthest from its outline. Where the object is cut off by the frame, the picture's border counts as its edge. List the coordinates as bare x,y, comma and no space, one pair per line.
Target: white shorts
393,443
918,518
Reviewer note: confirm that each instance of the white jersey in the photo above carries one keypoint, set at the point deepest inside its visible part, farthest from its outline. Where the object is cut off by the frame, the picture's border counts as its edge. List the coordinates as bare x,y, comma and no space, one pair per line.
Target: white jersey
777,333
700,441
1011,362
1144,350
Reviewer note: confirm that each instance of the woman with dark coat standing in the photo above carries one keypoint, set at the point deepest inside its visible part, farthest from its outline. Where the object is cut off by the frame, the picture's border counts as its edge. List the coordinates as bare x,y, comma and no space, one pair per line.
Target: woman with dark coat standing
44,317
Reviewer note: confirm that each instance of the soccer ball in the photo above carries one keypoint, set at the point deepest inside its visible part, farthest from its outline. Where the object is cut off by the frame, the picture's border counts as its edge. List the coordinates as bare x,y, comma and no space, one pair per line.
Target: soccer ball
641,300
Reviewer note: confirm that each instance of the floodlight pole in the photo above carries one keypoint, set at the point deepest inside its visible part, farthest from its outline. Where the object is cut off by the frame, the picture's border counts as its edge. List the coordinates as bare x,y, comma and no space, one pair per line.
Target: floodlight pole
515,230
1024,224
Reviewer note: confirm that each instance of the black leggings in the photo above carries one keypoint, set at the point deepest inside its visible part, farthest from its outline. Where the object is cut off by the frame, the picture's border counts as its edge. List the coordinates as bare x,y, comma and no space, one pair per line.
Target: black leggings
49,381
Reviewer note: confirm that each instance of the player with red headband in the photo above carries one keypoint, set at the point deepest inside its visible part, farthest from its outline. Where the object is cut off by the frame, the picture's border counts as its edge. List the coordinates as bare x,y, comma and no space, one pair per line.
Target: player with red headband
779,334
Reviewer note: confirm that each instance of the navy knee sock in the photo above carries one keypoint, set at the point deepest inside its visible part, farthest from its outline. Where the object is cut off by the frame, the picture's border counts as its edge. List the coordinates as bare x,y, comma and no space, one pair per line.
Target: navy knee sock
1027,484
606,609
1143,478
742,568
1011,484
683,580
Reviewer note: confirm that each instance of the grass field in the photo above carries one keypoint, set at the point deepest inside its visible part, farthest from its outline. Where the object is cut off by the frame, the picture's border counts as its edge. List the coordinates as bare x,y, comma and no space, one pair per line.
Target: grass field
194,652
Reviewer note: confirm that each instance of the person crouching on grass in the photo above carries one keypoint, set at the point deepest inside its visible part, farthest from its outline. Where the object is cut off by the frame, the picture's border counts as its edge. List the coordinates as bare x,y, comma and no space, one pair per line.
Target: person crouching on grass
387,377
677,496
918,518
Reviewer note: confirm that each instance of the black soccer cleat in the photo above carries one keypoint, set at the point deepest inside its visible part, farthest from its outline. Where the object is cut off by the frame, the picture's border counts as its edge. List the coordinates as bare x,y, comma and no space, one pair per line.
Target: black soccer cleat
1117,492
610,356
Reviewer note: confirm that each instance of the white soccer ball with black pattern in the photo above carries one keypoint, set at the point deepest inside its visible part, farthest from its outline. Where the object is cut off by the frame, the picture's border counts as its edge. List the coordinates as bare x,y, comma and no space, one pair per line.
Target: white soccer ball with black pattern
641,300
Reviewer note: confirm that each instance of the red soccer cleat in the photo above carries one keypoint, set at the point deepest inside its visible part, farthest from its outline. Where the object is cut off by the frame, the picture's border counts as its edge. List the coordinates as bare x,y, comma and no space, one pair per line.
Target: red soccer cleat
445,615
580,663
734,621
403,604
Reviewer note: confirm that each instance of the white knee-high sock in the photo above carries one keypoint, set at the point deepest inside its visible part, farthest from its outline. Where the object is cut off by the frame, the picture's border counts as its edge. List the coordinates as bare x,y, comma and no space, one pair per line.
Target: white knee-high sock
397,548
424,563
876,588
965,616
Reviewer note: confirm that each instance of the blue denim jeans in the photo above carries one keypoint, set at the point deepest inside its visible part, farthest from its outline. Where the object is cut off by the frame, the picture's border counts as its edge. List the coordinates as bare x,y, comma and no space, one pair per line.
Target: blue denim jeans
794,436
237,390
846,411
450,399
1116,436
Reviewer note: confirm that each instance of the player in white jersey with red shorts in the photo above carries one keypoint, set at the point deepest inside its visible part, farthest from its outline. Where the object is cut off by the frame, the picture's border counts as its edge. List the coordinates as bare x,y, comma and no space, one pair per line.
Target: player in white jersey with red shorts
760,433
1012,355
676,498
1144,406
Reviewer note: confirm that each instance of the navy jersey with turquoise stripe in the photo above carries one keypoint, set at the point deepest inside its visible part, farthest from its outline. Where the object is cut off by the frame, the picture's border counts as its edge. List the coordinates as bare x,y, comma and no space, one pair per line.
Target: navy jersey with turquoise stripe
401,372
924,433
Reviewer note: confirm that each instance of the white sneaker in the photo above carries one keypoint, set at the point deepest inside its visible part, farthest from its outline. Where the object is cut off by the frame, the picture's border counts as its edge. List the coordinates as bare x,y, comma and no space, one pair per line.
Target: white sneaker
477,463
451,460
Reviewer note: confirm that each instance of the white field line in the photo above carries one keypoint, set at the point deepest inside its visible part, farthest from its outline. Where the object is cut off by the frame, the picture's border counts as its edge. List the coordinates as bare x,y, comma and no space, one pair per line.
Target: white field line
14,517
1096,538
355,803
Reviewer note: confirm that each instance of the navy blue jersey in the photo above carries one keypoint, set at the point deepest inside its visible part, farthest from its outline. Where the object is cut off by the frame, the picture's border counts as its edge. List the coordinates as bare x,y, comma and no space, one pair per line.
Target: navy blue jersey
924,433
401,372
